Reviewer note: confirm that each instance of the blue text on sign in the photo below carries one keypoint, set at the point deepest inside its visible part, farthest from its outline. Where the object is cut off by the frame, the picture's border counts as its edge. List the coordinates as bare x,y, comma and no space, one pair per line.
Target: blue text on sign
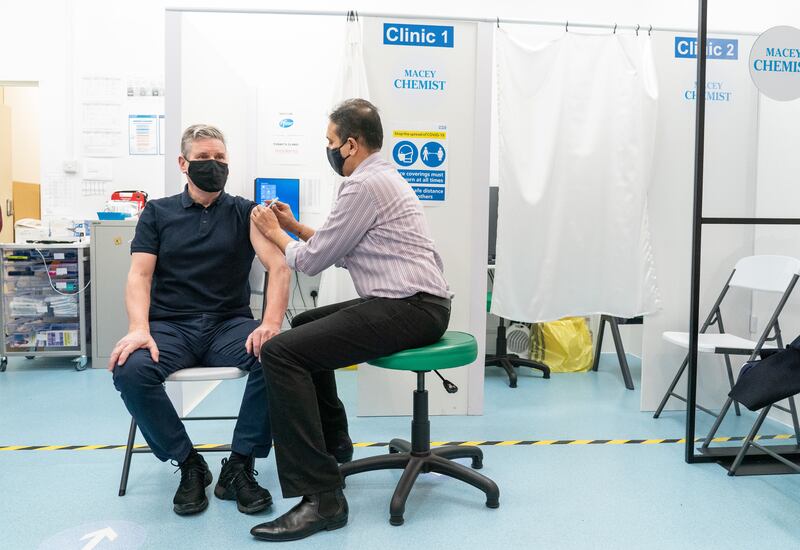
716,48
401,34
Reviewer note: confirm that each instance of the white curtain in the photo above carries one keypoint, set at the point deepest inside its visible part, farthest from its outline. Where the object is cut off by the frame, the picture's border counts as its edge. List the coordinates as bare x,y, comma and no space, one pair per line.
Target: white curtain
576,124
335,283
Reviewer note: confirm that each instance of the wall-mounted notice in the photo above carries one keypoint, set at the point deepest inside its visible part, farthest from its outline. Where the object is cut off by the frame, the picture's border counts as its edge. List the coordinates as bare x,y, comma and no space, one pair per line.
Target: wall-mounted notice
420,154
102,116
103,143
143,134
162,135
98,169
775,63
101,88
288,139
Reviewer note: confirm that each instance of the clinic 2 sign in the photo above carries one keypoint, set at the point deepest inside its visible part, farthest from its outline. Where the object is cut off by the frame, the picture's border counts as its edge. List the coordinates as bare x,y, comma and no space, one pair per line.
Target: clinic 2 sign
724,49
421,158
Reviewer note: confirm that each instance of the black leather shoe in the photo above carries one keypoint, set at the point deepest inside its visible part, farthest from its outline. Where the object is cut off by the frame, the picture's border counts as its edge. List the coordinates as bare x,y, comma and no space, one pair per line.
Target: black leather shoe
237,482
195,477
341,448
304,519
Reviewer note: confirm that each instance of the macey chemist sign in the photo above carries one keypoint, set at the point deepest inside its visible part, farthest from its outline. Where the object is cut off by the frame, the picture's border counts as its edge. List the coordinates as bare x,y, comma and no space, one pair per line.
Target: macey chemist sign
775,63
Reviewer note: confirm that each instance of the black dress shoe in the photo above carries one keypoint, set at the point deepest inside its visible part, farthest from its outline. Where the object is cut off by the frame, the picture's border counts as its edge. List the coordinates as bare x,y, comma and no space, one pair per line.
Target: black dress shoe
237,482
306,518
341,448
195,477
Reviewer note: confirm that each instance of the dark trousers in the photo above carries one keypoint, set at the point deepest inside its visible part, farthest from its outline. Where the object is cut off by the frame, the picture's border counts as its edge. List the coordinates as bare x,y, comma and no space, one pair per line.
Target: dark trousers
301,388
197,341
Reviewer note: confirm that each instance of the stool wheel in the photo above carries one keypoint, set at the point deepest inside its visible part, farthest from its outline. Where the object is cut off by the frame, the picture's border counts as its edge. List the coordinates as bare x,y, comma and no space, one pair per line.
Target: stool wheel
493,503
477,463
396,520
393,451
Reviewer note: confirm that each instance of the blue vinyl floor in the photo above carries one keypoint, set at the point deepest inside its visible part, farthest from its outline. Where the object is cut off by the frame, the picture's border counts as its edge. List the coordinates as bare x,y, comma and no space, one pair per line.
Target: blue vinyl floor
552,496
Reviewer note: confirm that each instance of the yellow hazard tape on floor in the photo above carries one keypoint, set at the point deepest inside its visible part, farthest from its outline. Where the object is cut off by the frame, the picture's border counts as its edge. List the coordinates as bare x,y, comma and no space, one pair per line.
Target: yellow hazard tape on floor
474,443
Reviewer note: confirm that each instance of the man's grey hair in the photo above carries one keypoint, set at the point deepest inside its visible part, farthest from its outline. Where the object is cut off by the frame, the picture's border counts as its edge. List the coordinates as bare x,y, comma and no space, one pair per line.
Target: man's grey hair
196,132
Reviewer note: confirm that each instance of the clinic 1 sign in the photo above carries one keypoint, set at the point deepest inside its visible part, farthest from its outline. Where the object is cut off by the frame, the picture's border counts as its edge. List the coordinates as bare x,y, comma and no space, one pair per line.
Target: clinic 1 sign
403,34
421,158
775,63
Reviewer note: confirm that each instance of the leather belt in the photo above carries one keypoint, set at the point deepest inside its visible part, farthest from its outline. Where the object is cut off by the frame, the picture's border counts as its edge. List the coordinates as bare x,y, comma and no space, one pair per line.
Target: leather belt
431,299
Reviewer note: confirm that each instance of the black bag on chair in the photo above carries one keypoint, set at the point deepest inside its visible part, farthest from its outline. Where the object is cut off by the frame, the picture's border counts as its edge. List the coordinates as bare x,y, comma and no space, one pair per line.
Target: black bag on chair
775,377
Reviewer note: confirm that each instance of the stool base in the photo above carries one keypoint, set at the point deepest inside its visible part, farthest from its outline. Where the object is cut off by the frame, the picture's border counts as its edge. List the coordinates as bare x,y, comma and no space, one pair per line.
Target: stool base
437,460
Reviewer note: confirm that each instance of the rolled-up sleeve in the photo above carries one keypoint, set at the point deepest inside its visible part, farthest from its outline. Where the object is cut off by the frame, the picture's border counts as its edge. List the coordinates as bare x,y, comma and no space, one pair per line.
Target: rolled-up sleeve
291,254
352,216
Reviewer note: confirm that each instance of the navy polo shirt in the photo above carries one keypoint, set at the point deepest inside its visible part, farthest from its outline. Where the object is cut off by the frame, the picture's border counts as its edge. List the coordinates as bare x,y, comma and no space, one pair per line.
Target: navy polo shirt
204,255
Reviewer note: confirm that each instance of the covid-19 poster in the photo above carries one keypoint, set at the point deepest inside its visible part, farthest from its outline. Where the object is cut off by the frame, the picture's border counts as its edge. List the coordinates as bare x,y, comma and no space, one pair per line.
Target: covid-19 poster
420,153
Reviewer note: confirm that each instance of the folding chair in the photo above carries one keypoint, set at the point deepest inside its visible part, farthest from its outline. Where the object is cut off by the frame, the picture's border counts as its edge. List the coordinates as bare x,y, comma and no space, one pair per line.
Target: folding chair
787,269
765,273
193,374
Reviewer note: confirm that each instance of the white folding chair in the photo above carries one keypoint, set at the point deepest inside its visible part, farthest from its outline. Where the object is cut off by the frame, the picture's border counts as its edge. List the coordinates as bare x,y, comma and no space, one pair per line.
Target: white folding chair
764,273
194,374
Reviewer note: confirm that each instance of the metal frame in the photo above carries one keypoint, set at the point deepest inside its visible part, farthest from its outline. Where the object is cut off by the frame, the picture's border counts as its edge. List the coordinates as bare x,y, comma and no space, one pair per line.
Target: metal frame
614,323
416,457
714,318
510,361
493,20
130,449
698,220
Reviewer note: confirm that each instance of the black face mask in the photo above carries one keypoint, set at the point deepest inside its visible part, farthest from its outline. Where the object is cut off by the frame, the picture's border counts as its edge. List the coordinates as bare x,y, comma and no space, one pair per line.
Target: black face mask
336,159
209,175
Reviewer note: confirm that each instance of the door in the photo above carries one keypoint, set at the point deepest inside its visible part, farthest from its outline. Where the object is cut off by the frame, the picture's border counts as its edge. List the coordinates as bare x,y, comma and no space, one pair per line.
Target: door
26,201
7,233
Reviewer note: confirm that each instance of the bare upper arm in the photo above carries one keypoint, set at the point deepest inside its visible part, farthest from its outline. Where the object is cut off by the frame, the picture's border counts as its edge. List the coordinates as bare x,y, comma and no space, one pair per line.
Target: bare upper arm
143,265
270,255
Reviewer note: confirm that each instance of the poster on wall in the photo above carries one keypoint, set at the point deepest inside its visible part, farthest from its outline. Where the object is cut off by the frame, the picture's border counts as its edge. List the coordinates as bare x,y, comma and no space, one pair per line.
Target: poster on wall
419,152
143,134
288,138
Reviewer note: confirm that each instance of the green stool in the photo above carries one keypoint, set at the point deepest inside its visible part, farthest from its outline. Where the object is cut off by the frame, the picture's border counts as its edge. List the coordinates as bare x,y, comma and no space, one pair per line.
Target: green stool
455,349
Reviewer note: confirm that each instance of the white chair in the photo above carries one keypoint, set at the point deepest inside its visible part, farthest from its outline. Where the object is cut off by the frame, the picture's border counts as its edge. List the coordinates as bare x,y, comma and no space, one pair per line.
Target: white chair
194,374
764,273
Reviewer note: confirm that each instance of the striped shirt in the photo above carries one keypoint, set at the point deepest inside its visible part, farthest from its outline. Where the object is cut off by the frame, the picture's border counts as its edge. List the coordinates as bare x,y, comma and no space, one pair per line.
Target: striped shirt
378,232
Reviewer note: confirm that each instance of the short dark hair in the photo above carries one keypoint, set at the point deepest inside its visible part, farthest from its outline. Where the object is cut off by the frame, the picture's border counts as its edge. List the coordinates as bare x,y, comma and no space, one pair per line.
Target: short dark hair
358,118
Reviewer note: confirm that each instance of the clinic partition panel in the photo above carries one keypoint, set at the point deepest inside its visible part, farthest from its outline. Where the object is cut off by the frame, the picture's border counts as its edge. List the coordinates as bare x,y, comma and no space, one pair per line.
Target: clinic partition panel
430,79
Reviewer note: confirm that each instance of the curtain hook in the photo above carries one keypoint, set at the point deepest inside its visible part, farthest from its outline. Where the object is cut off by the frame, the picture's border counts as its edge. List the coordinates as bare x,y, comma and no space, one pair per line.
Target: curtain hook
615,28
650,31
566,27
637,29
498,22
